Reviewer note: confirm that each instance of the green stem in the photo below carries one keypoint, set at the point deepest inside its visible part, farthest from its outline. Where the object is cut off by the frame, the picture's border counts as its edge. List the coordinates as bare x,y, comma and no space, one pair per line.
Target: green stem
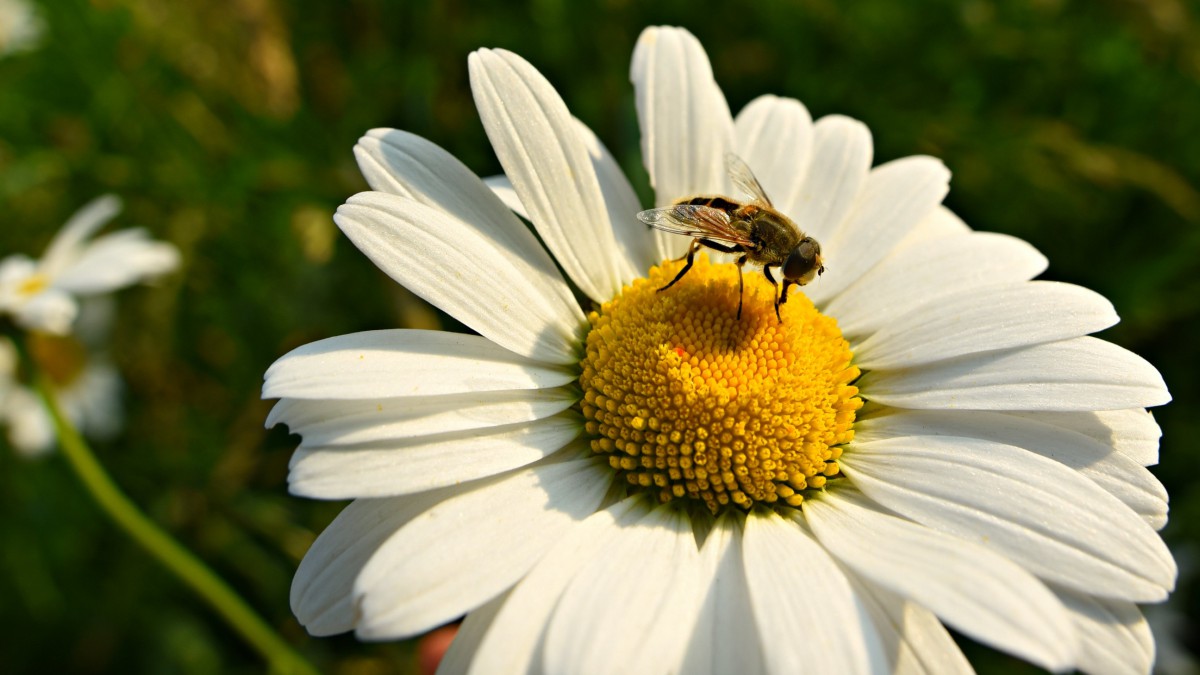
181,562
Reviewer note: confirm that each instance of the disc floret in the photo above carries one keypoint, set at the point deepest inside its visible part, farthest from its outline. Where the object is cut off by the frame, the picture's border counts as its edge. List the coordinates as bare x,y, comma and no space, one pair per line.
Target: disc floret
690,402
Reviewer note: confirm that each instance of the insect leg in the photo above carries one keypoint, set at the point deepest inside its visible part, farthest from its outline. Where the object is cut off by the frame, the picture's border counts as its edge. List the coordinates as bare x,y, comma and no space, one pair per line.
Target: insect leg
775,289
740,261
691,254
783,296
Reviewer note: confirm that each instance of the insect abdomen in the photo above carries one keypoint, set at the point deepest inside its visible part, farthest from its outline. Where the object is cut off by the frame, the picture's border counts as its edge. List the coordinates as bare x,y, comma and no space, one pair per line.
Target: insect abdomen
719,203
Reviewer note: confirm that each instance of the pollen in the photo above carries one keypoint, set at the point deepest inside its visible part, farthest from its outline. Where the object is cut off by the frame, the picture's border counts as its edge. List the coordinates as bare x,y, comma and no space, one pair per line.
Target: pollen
690,403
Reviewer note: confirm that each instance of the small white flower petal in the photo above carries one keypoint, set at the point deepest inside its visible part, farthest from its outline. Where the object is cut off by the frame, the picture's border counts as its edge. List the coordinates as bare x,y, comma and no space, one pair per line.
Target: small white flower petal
457,659
539,145
402,363
404,466
1115,636
725,639
52,311
1001,316
636,241
322,590
502,187
511,643
783,565
686,125
915,275
504,293
775,136
1063,528
115,261
1082,373
895,198
406,165
473,546
87,221
636,604
346,422
980,593
841,159
1117,473
1131,432
913,639
30,429
940,223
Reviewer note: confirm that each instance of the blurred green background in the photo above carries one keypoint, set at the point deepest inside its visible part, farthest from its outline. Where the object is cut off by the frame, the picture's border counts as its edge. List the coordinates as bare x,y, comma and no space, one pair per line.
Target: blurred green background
227,128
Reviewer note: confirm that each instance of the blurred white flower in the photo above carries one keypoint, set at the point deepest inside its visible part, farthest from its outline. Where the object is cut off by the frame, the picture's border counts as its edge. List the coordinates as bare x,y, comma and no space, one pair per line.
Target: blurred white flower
84,380
42,295
20,27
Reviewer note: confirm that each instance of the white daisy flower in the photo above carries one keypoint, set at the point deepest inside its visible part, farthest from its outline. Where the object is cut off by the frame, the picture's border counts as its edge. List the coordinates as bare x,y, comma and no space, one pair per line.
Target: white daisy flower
643,482
85,382
43,294
20,27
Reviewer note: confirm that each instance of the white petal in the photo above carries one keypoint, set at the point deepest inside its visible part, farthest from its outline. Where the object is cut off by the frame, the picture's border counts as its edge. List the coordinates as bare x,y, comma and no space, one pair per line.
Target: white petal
117,260
915,642
984,595
784,570
502,187
511,643
404,466
636,604
52,311
841,159
1131,432
1115,636
775,136
544,155
726,638
940,223
895,198
1000,316
1048,518
636,241
468,549
508,294
686,125
401,363
83,224
322,589
1119,475
345,422
1078,374
916,274
457,659
30,429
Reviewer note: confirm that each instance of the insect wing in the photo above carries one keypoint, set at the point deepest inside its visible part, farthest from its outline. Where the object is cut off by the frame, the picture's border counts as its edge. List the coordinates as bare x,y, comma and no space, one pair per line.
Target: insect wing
743,178
695,220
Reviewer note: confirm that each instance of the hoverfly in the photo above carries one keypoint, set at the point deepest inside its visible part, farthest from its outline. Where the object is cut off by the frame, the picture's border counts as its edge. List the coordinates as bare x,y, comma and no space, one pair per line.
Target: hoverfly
755,230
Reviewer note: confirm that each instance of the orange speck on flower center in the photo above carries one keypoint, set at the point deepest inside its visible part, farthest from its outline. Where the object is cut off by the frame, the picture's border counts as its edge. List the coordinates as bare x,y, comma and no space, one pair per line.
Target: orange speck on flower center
689,402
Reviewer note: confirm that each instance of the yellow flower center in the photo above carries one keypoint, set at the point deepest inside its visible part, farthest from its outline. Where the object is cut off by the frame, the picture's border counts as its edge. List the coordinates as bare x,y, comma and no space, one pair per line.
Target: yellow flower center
690,402
33,285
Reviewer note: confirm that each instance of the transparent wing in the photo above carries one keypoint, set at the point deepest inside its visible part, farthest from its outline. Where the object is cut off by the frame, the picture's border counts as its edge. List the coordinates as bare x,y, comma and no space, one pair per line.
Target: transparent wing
744,179
696,220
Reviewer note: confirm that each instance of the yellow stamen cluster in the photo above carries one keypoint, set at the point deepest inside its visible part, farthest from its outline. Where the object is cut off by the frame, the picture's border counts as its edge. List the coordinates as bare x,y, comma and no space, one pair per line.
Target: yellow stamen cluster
689,402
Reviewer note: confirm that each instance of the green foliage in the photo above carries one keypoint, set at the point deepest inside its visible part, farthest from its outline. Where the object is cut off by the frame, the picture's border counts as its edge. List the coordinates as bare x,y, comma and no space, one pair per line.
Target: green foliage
227,128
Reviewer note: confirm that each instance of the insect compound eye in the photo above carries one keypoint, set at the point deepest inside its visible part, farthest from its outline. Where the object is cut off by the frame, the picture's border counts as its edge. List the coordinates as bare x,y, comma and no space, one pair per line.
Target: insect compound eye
802,260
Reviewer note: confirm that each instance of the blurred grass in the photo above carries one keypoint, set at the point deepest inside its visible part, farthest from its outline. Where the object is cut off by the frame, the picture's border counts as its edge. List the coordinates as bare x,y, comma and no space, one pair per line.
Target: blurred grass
227,127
